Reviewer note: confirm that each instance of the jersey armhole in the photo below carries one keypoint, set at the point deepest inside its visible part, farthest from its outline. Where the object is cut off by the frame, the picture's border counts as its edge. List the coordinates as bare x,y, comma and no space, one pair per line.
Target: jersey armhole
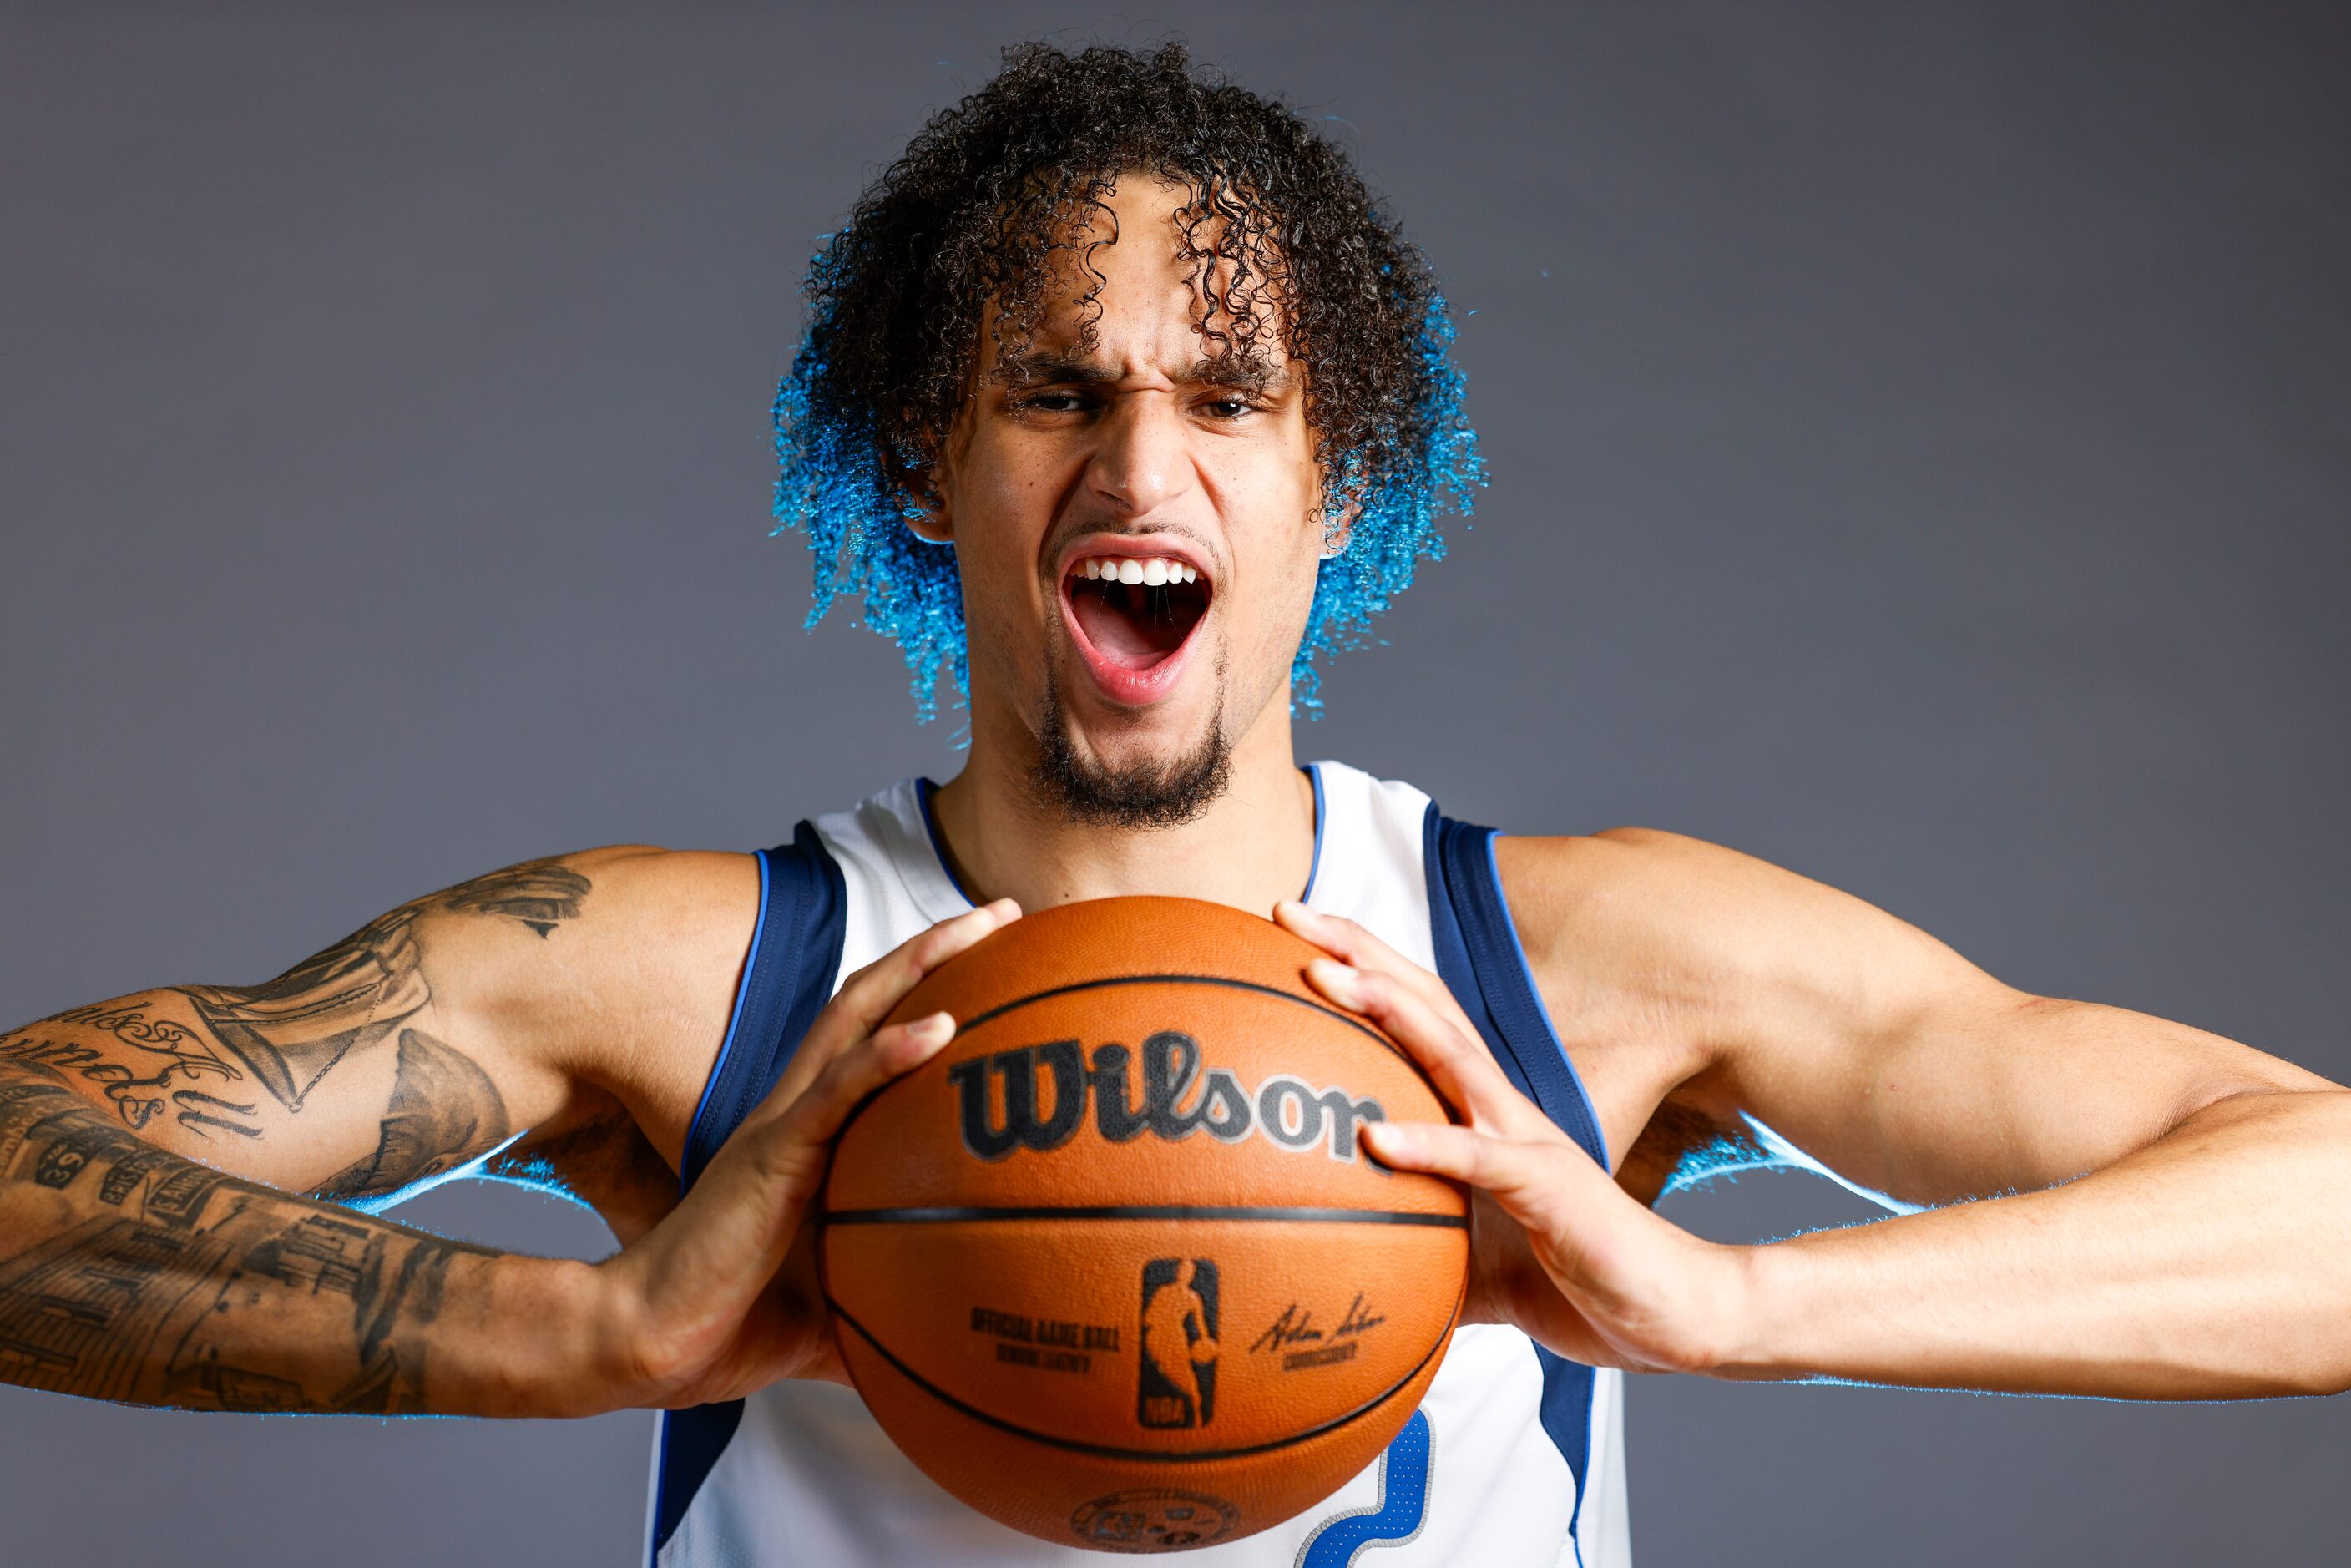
1597,1147
1484,964
688,1167
787,974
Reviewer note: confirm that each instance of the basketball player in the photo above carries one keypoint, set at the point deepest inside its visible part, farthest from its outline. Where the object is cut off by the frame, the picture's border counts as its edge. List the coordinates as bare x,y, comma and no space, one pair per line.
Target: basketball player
1123,404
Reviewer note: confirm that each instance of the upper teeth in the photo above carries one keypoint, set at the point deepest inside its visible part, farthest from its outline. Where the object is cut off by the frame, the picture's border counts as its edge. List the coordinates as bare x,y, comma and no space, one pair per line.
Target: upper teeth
1150,573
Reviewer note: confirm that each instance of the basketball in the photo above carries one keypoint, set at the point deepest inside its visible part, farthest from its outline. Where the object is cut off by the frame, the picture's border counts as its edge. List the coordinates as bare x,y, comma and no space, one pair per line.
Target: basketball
1114,1267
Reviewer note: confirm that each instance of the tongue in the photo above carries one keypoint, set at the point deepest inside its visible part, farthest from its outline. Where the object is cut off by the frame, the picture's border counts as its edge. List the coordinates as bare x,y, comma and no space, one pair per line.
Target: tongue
1122,627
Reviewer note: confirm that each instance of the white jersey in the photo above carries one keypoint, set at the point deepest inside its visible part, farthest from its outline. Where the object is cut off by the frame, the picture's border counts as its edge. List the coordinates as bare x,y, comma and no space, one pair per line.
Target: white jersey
1515,1458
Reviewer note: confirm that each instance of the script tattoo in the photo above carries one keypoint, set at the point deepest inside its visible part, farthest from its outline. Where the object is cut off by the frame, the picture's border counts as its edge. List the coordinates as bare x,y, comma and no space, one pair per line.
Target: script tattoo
175,1051
444,1112
172,1283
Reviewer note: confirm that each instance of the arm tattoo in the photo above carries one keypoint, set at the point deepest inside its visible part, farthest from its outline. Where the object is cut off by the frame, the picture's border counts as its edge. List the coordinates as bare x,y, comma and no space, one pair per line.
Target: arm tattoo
444,1112
291,1032
176,1052
284,1036
171,1284
165,1281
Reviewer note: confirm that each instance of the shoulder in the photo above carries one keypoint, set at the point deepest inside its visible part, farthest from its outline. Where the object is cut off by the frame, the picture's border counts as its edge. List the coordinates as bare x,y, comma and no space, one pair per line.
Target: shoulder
1633,886
591,961
621,908
606,978
1725,940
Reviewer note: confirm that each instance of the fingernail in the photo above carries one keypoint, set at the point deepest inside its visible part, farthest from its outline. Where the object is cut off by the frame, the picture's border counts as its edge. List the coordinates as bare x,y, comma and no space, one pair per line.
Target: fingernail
1340,980
1387,1139
934,1029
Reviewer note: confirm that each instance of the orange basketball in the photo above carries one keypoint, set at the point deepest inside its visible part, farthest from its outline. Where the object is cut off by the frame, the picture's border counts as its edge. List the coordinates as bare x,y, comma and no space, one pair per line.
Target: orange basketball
1113,1268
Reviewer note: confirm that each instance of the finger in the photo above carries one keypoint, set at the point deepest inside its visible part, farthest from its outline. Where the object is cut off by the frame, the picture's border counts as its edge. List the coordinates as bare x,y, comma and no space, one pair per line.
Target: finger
805,1129
1457,1061
819,1115
867,996
1351,942
1528,1180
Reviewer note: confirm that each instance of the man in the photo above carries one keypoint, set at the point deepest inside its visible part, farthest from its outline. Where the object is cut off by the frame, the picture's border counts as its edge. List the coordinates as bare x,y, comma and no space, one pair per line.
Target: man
1121,403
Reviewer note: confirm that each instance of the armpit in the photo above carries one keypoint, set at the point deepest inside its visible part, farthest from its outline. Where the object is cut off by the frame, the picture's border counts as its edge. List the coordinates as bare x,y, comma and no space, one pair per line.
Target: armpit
1680,1147
597,1156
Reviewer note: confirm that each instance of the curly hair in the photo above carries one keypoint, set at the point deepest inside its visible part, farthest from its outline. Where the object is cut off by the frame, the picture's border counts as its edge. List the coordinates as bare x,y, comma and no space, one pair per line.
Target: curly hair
1279,230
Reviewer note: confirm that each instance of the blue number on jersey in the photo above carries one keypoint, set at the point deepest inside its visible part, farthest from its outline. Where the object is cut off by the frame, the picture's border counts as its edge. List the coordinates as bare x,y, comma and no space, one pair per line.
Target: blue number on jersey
1403,1507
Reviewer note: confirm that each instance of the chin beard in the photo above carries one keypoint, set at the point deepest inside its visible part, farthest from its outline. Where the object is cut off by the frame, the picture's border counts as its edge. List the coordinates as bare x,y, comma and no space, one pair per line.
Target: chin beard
1143,794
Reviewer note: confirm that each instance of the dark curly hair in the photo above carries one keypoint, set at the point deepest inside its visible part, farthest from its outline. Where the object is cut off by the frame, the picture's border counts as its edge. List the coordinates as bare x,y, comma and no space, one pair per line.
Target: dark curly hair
1283,236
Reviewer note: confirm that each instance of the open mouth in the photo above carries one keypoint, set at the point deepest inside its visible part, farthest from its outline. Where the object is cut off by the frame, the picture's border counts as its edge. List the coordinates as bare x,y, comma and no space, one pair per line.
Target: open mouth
1133,616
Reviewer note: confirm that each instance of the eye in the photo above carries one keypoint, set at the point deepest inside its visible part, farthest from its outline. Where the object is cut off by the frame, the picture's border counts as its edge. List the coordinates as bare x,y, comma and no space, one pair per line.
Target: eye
1227,408
1051,403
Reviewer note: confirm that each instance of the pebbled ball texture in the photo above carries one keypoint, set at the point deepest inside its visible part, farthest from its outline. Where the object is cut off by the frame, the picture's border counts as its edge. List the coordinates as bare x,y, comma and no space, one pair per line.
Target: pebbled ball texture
1113,1268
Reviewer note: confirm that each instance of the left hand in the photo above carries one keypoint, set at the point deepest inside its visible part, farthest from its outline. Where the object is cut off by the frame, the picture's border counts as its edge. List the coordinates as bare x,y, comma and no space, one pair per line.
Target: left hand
1557,1248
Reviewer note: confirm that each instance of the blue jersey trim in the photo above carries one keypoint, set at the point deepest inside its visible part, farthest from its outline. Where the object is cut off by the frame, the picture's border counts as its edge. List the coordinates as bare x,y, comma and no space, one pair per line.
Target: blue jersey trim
1322,815
691,1442
788,977
1396,1519
923,790
1483,963
733,1022
1598,1147
787,982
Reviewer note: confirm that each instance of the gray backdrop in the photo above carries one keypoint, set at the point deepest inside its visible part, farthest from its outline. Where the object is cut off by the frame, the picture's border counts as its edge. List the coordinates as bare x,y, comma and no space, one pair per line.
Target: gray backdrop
1920,456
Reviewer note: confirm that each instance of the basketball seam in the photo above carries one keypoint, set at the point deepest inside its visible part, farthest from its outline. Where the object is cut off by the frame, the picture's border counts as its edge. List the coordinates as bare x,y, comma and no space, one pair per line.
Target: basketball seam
1357,1024
1104,1450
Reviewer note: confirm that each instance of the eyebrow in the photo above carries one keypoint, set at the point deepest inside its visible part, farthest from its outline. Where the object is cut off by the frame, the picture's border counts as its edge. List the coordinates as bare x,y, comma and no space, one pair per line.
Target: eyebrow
1048,367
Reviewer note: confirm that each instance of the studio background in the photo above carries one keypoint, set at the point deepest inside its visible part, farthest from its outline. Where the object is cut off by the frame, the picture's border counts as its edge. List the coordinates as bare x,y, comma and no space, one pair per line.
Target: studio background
1921,438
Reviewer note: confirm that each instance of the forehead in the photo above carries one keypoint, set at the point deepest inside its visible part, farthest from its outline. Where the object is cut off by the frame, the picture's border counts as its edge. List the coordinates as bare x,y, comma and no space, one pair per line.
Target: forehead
1145,277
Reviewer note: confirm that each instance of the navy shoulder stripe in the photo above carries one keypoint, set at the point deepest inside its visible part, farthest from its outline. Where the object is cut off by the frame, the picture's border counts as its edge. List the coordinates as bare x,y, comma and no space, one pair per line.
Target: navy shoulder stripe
787,974
1484,965
1482,962
788,977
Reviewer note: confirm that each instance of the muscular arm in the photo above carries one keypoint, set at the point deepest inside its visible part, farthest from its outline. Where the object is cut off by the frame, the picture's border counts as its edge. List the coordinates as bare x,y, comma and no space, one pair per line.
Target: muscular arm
153,1247
133,1274
2164,1213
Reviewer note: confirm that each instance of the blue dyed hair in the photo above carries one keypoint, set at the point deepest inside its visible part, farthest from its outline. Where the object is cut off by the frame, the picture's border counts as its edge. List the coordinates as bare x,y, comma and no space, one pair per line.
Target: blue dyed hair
973,212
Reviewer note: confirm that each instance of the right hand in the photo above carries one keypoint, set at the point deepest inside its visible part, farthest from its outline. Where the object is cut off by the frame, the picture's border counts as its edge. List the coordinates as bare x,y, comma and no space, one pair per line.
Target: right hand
720,1298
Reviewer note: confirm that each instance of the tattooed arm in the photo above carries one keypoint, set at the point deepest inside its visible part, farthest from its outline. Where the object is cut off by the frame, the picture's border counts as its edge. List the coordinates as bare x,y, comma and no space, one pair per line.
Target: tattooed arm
153,1247
133,1274
359,1072
135,1265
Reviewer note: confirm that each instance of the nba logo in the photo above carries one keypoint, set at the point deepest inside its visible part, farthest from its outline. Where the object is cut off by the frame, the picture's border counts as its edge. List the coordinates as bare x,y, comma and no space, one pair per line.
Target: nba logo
1179,1342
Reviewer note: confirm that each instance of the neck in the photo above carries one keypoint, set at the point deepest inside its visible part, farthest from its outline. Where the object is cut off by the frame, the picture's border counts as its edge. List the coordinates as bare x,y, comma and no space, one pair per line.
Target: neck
1253,847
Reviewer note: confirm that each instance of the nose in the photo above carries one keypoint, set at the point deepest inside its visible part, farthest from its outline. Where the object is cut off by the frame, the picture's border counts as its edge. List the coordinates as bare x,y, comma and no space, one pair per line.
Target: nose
1143,460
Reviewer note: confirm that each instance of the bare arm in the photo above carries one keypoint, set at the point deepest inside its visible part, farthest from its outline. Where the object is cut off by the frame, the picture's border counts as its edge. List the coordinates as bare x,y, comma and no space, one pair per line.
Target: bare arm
134,1274
144,1255
2159,1212
153,1249
2182,1202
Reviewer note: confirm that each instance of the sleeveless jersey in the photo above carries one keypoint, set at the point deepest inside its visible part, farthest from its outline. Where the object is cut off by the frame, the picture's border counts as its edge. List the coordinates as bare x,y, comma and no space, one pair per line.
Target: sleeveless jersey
1515,1458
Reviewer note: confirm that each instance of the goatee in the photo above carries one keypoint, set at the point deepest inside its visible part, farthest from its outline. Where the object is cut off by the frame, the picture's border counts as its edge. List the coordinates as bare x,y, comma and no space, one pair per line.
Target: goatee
1144,794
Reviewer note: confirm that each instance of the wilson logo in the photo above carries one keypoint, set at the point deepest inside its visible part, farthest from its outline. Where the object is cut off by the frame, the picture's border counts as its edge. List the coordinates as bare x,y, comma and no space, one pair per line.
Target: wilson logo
1036,1097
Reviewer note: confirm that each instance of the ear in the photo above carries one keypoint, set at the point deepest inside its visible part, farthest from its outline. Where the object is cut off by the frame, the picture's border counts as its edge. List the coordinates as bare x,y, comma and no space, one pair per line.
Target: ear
936,522
1338,530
